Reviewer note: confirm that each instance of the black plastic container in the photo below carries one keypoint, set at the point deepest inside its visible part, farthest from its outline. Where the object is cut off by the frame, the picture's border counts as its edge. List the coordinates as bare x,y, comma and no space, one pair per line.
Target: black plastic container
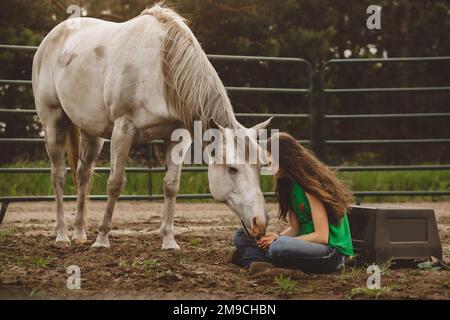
403,235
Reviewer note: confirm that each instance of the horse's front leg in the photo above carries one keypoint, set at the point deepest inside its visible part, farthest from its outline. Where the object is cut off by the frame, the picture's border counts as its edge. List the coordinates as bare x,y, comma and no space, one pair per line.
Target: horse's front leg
121,142
171,188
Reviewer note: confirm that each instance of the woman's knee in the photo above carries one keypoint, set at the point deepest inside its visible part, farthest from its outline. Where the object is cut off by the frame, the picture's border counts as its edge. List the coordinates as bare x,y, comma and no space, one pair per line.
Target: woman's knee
277,248
240,237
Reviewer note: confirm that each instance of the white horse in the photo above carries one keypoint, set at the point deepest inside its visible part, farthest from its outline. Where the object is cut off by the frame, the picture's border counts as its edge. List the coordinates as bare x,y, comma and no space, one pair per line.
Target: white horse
133,82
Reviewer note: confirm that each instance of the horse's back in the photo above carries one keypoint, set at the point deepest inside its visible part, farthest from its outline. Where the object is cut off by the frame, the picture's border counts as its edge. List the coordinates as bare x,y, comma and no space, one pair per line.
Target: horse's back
99,68
49,58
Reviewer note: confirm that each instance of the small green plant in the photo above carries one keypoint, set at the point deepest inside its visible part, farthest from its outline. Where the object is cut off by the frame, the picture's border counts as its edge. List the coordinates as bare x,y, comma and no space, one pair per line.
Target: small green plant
384,267
369,293
150,262
195,242
144,263
352,272
40,262
285,285
7,232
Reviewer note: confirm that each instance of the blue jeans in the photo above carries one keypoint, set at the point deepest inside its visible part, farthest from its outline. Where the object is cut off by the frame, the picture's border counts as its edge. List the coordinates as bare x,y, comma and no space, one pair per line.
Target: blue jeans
289,252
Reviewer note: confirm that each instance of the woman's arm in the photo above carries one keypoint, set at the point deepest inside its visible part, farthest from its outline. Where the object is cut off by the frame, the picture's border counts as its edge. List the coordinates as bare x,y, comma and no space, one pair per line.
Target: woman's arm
293,229
320,220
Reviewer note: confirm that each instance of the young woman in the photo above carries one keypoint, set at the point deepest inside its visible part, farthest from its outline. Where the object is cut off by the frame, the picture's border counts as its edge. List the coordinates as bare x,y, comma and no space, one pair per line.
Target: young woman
318,237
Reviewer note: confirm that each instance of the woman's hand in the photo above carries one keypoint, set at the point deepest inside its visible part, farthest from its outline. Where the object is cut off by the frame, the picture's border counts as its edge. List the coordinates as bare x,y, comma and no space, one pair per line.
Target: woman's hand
267,240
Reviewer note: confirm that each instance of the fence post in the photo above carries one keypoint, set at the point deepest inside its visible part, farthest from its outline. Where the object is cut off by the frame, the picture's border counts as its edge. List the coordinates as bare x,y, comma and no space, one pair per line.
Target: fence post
312,140
150,165
322,126
5,204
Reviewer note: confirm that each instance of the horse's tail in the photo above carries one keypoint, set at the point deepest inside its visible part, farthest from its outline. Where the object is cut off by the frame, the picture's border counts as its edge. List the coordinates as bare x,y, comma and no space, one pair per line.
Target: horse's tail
73,150
73,155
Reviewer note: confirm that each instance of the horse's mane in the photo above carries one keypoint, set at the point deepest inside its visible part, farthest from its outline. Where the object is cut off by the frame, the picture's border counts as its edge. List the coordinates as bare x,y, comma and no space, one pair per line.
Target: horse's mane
191,84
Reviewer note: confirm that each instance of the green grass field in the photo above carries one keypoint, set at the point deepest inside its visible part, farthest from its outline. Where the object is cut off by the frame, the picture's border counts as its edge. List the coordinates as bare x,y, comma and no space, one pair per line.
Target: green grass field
32,184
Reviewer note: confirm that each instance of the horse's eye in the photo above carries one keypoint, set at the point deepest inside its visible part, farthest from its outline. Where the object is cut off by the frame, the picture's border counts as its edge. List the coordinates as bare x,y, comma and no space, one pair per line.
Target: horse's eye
232,170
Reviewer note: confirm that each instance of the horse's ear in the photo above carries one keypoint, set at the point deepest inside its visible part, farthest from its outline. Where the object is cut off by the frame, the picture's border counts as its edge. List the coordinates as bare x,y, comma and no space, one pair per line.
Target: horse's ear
262,125
212,124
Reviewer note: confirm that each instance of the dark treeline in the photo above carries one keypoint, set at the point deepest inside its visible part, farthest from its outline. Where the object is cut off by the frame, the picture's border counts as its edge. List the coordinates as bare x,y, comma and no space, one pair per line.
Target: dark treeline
316,30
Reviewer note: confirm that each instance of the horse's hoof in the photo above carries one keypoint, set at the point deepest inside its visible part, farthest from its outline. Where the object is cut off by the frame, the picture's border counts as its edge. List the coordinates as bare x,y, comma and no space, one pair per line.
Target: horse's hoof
101,242
62,244
79,242
170,246
79,238
99,247
62,241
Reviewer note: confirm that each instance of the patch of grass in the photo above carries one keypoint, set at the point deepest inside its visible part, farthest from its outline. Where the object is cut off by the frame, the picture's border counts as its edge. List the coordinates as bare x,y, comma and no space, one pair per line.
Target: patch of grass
385,267
8,232
150,262
147,266
397,181
21,184
352,273
40,262
369,293
285,285
195,242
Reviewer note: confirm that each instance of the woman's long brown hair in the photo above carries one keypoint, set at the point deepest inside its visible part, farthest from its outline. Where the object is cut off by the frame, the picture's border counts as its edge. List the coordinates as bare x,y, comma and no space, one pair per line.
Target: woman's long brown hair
301,165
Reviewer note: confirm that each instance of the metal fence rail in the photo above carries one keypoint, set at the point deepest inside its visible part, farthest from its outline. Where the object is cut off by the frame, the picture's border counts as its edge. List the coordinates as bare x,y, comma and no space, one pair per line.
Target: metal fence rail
308,91
327,91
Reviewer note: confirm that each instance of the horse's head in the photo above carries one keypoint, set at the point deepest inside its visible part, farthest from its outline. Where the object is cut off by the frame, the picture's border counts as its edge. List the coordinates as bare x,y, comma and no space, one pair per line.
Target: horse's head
235,160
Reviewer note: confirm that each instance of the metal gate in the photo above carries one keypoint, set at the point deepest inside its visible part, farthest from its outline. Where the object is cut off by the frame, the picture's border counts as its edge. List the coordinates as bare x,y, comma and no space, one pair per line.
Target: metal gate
324,141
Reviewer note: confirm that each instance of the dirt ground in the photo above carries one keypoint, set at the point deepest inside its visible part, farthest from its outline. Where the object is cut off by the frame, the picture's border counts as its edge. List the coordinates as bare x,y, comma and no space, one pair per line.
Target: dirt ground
135,267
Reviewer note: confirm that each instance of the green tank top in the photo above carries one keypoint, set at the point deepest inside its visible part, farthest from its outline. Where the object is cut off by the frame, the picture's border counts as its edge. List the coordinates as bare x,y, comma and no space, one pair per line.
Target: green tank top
339,237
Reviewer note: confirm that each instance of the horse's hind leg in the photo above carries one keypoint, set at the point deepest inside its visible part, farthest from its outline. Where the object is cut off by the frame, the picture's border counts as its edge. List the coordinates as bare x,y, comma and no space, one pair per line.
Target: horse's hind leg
121,141
56,126
90,148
